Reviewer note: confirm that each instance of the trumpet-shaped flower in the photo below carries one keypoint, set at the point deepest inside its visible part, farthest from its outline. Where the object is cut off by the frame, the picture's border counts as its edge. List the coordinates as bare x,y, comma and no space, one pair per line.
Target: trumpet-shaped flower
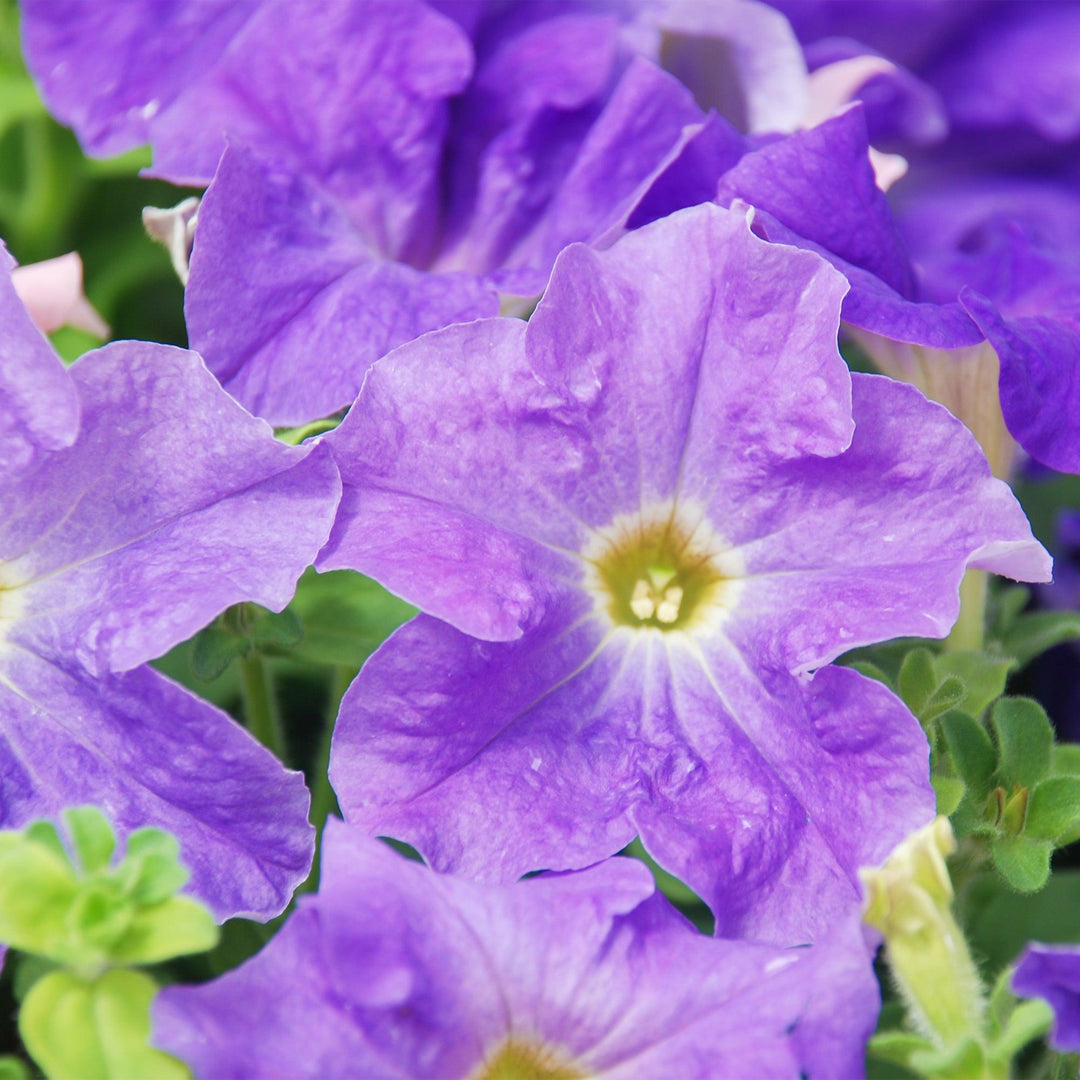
393,971
634,526
394,166
167,504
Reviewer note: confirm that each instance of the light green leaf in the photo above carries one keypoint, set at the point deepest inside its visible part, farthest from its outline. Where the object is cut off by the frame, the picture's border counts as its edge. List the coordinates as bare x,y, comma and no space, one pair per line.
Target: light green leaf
174,927
151,870
1029,1020
92,837
74,1029
37,889
898,1046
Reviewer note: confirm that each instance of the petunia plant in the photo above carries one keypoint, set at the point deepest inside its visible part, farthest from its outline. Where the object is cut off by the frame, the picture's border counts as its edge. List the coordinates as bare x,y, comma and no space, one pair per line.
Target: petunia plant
550,568
91,921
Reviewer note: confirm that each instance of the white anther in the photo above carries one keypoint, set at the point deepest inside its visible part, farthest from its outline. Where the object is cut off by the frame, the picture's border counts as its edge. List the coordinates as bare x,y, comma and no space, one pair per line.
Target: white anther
642,601
668,609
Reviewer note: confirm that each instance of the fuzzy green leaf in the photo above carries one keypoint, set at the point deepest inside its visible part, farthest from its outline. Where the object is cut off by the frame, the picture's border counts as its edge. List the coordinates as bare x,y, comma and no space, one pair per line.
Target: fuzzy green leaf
917,680
984,677
1025,741
898,1046
949,791
1024,863
971,750
1053,807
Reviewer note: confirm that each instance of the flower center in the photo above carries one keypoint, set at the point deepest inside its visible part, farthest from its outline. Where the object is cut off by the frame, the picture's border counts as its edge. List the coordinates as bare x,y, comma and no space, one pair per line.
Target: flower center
526,1061
655,570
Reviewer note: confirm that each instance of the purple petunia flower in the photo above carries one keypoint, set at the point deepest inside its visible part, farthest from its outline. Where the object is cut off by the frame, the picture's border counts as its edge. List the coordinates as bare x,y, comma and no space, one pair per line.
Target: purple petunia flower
394,971
633,524
960,51
392,169
984,321
167,504
1053,972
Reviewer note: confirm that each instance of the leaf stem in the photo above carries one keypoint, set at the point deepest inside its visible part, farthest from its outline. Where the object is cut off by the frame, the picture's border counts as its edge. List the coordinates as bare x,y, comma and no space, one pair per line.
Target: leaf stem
260,704
970,629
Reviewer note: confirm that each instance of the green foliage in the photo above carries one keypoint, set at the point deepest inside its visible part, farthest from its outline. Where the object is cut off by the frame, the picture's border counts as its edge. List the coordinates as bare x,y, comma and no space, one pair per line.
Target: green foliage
345,617
995,767
1025,740
13,1068
76,1028
85,915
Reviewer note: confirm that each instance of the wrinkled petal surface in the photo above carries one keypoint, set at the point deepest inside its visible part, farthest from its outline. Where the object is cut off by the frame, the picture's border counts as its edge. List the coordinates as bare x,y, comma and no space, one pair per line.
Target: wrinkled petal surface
591,967
173,504
150,753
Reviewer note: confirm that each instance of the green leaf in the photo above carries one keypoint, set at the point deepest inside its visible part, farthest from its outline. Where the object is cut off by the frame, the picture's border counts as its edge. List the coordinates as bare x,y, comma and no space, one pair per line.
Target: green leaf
214,650
174,927
1033,634
281,628
1053,807
917,680
871,671
1006,607
984,677
971,750
151,870
898,1046
1024,863
37,888
950,692
45,834
75,1029
1029,1020
345,617
1025,740
99,914
92,836
963,1061
949,791
1066,759
13,1068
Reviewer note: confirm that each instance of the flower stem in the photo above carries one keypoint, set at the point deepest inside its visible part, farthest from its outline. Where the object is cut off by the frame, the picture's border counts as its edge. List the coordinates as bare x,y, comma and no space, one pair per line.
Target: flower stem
260,704
970,628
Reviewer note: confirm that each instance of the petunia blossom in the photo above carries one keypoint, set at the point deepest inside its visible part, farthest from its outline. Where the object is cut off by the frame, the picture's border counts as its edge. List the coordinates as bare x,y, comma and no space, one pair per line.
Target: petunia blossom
169,504
428,161
984,323
1053,972
634,526
393,970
